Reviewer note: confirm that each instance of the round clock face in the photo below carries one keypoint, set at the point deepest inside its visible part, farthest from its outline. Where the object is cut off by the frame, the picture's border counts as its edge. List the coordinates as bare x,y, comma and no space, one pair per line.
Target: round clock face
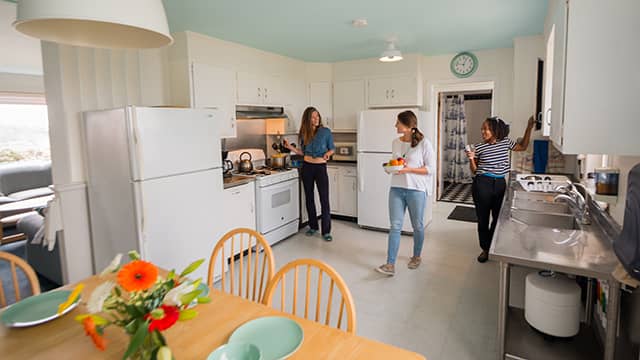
464,64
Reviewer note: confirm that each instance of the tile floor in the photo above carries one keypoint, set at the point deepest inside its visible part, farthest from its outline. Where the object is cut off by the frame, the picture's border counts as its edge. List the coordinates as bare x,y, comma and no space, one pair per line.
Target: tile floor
446,309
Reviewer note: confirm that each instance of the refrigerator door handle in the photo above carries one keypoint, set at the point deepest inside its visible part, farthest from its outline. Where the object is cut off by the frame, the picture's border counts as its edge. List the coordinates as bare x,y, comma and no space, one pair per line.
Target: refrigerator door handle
360,177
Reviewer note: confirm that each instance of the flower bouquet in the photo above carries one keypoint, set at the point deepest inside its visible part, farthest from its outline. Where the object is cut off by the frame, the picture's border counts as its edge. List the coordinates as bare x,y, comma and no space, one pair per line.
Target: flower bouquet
144,304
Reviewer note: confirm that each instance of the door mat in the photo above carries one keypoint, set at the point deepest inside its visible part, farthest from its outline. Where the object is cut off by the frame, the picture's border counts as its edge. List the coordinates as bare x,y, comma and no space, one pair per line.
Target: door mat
463,213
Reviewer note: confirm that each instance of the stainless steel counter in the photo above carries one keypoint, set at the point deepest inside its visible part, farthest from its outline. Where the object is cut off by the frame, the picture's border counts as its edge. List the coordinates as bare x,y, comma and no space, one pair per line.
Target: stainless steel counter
587,252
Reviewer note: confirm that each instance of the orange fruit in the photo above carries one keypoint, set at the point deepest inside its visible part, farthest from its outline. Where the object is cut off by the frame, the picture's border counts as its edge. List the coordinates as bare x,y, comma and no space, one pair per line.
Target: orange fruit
393,162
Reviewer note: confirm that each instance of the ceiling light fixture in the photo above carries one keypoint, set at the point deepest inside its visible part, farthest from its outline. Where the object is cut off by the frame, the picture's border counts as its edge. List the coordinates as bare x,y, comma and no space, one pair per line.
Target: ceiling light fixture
113,24
359,23
391,54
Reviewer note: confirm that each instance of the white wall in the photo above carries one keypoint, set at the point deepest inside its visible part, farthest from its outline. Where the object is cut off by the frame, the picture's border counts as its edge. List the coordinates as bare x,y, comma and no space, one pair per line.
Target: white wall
21,60
80,79
494,65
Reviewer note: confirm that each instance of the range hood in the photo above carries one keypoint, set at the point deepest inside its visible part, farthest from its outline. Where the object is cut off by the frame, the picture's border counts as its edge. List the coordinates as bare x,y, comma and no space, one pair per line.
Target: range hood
259,112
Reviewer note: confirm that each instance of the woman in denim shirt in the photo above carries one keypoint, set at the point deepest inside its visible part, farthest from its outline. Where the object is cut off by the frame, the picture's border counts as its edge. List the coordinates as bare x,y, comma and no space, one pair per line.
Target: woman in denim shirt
317,147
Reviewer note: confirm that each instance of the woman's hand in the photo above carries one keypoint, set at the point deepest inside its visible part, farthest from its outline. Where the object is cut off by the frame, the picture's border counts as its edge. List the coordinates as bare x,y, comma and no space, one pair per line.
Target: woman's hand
405,170
470,154
531,122
286,144
327,155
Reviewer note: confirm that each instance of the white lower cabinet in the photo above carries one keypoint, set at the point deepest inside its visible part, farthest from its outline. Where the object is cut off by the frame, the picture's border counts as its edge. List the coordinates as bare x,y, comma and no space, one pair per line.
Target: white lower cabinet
343,190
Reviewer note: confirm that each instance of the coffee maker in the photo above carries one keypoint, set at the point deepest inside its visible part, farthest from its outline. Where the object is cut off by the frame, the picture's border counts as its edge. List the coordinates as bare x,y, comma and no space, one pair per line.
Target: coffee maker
227,165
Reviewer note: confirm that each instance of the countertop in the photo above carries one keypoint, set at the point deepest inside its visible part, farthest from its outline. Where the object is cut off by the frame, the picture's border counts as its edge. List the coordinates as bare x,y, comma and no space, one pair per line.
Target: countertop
237,180
587,252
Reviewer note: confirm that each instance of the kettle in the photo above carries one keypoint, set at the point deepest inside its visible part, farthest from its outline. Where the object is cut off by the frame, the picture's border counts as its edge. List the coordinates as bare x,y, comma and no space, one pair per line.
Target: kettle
227,166
245,165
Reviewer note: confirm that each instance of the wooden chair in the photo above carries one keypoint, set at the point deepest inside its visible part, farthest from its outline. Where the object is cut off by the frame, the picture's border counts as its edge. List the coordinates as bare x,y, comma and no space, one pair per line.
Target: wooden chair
260,265
28,271
335,280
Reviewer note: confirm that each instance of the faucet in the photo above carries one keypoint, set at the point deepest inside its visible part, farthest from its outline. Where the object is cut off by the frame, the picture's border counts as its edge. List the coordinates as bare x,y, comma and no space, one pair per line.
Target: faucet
576,201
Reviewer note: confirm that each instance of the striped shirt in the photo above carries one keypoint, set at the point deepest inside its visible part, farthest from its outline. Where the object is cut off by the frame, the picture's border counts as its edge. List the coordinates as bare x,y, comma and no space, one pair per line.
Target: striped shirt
494,158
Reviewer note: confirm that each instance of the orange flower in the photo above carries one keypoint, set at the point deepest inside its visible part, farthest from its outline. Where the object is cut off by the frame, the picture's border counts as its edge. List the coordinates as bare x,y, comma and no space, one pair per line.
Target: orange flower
90,330
137,275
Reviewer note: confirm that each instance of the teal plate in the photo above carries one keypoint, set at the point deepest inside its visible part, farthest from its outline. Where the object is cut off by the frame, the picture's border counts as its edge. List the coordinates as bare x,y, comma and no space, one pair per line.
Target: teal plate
236,351
37,309
276,337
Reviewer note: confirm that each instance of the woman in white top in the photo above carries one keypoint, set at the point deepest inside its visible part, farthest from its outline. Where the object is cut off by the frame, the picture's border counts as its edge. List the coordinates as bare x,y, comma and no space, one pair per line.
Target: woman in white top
410,188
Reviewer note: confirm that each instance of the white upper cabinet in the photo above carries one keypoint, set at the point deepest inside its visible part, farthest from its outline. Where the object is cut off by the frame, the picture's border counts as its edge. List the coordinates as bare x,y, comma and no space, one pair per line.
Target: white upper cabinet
256,89
297,98
214,87
395,91
592,60
320,97
348,101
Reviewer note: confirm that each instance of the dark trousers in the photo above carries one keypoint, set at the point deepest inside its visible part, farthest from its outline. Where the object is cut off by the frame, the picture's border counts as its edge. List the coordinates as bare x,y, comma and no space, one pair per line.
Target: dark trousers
488,193
317,173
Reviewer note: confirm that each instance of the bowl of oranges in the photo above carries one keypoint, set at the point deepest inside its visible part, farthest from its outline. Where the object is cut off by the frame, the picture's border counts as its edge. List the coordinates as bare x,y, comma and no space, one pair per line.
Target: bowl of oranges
394,165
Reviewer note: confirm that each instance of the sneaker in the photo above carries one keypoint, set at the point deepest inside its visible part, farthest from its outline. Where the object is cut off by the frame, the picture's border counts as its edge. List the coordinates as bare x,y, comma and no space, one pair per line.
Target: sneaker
387,269
327,237
483,257
414,262
311,232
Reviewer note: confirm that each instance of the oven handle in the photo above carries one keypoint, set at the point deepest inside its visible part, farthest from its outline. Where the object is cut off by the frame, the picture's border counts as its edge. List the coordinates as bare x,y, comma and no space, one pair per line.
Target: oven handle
283,184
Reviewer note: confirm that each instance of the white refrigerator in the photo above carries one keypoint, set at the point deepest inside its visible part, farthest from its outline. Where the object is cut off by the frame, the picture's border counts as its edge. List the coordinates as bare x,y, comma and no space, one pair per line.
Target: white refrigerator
376,132
154,184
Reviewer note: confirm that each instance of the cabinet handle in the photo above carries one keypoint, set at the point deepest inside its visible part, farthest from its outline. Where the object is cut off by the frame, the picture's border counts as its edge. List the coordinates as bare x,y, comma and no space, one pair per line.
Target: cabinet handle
548,117
265,93
386,95
233,122
393,93
259,93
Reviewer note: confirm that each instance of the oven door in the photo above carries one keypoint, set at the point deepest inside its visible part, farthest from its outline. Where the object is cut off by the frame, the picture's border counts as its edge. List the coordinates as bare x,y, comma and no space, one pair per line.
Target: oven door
278,205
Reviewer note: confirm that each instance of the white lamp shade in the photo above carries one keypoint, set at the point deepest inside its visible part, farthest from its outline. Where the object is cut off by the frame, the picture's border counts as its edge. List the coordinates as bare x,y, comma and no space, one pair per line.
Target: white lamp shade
391,54
114,24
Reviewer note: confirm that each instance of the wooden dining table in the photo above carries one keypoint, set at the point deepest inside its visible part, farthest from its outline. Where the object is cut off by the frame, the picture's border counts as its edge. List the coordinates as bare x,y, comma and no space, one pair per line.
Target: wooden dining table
64,338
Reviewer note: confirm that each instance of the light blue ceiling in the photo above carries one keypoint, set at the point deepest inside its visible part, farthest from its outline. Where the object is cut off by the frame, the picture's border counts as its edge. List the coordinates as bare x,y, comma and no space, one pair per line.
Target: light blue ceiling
321,30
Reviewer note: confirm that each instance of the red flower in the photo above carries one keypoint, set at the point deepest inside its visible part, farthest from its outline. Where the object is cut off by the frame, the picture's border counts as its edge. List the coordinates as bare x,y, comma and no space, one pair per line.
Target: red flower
137,275
171,315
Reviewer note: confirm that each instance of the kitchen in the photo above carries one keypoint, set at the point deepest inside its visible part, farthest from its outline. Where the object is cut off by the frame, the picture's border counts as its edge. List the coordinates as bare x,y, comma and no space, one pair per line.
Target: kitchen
259,96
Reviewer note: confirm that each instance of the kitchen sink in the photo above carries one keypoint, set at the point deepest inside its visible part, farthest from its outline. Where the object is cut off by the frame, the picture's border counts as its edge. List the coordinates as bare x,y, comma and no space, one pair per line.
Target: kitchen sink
550,220
541,206
533,196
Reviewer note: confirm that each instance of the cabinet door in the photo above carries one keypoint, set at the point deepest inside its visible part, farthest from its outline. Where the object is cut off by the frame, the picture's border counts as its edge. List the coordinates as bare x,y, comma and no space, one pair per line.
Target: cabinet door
348,192
296,96
404,91
215,87
320,97
273,90
250,89
559,28
348,101
240,210
334,189
379,92
548,80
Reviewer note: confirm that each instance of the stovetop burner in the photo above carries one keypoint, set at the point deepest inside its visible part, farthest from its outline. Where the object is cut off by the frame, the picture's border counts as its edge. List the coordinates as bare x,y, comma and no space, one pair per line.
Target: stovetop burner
265,170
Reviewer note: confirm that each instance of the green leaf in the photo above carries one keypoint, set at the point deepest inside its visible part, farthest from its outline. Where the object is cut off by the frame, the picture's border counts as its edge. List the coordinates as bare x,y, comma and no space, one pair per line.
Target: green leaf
204,300
191,268
189,297
117,291
157,314
133,255
187,314
171,275
137,340
196,283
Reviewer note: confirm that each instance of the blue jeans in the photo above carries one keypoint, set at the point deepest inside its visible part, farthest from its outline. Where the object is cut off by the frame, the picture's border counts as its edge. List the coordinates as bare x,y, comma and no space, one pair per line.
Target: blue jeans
399,200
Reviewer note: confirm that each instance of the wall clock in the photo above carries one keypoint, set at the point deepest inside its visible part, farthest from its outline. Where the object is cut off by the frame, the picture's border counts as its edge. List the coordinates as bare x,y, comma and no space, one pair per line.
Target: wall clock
464,64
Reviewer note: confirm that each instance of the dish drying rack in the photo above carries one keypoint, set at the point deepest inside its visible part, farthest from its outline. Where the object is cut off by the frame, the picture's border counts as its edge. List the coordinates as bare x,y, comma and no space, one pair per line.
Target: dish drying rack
541,182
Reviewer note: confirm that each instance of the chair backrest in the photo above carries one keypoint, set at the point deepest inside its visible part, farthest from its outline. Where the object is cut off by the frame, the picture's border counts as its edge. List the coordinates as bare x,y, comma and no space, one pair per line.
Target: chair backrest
248,251
28,271
321,301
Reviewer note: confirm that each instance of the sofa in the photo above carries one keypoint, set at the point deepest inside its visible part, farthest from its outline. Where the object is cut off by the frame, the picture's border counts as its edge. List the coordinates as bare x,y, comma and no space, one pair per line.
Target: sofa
24,180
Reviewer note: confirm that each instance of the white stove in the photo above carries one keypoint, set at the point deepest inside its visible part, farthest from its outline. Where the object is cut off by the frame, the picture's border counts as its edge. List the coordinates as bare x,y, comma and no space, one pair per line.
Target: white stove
277,200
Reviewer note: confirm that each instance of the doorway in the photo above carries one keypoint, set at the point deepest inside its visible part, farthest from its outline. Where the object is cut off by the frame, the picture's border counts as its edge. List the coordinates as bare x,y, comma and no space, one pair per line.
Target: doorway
460,113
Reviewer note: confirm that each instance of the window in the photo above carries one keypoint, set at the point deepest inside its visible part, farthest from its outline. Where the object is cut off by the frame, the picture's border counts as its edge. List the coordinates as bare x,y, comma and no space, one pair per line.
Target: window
24,127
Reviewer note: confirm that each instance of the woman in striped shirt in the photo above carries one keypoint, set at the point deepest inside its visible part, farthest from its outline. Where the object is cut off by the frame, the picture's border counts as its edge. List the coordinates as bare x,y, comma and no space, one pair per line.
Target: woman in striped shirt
490,162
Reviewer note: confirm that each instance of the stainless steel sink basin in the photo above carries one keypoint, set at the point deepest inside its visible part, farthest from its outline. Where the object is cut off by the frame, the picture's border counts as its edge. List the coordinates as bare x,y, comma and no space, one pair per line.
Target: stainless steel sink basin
540,206
550,220
533,196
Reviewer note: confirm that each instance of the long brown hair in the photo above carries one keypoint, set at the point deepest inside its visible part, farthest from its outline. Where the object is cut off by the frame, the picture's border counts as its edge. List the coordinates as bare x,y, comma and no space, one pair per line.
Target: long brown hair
307,132
409,119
